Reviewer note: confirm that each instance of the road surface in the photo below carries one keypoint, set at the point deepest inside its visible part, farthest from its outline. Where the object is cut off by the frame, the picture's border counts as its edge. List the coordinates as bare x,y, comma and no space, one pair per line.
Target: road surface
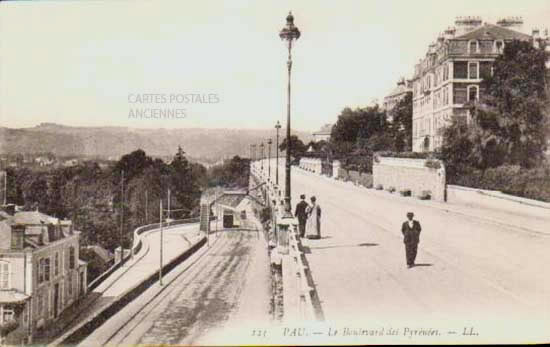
476,268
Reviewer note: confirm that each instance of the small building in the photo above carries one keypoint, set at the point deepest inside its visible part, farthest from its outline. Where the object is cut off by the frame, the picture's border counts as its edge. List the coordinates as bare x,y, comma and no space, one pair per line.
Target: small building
395,96
40,272
234,208
323,134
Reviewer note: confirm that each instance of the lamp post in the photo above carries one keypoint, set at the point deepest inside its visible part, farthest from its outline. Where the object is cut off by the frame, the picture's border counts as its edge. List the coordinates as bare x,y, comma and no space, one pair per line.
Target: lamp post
262,155
277,126
269,142
289,33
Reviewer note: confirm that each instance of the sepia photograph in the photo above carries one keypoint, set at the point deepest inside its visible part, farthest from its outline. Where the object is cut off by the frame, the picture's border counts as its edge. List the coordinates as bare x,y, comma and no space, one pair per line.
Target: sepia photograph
274,173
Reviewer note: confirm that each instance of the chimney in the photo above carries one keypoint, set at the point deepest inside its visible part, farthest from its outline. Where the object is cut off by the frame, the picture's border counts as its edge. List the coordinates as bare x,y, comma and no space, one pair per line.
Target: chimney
466,24
449,33
512,23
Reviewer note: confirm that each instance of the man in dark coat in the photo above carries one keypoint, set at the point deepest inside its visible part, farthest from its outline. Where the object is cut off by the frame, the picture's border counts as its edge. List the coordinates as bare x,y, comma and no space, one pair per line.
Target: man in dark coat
411,236
301,214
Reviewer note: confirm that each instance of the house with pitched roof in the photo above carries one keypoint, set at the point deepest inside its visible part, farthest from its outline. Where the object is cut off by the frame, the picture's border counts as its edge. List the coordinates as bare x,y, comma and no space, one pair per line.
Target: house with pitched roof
40,272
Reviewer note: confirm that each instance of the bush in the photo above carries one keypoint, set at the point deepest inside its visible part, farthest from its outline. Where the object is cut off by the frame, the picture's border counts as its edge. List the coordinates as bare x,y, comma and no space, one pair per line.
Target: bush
510,179
391,189
425,195
432,164
379,187
405,192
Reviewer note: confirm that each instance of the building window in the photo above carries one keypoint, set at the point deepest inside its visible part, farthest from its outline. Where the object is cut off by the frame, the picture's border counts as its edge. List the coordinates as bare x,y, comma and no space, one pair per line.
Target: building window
71,258
472,70
47,269
7,314
460,69
473,47
485,69
473,93
499,46
460,95
56,264
5,275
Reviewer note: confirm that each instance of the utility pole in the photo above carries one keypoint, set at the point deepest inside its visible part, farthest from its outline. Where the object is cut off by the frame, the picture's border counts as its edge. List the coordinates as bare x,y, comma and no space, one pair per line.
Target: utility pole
146,207
161,239
169,204
5,187
122,217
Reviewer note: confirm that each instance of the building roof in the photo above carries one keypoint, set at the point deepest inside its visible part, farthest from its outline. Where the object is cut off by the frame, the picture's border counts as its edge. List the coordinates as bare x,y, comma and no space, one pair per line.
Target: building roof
491,31
33,218
325,130
101,252
401,88
12,296
231,200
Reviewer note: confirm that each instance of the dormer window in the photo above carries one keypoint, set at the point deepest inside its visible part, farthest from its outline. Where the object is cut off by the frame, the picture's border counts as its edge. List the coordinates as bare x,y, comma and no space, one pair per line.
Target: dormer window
499,46
473,47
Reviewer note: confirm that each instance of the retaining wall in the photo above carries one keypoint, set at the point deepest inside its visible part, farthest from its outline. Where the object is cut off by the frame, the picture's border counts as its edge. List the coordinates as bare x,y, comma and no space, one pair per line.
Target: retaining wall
410,174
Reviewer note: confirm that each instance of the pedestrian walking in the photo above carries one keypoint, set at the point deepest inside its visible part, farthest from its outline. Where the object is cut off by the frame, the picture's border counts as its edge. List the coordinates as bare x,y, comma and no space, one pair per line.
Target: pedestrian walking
301,214
313,224
411,237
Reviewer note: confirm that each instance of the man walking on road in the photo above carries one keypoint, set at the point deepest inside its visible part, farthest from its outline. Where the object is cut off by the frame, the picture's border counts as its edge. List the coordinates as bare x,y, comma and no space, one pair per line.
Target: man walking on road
300,213
411,236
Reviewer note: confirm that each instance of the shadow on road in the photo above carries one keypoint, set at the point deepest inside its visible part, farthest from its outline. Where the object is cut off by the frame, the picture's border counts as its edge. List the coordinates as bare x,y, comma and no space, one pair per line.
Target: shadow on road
308,249
423,264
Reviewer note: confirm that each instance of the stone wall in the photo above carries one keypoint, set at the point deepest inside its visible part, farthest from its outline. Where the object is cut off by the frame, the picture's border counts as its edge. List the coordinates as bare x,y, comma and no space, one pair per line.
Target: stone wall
311,164
410,174
363,179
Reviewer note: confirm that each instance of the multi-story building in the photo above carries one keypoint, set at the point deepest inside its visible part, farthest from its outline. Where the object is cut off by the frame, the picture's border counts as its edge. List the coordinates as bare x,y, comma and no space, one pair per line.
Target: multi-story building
40,272
448,78
395,96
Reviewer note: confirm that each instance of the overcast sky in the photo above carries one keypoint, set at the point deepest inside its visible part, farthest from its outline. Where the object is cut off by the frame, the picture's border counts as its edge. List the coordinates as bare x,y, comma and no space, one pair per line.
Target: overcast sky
86,63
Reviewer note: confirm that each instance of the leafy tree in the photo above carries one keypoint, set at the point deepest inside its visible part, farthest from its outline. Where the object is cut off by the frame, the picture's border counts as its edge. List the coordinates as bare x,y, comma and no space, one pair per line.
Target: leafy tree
511,115
297,147
401,126
355,128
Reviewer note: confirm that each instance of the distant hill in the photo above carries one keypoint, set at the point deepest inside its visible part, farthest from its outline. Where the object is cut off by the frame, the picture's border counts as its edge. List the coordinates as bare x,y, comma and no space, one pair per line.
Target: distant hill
107,142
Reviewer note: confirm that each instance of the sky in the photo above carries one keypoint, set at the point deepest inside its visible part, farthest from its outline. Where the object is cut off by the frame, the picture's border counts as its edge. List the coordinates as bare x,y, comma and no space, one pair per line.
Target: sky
216,64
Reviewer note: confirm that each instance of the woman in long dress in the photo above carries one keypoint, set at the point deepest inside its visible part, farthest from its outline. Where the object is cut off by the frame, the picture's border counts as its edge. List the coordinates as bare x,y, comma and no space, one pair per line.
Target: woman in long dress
313,224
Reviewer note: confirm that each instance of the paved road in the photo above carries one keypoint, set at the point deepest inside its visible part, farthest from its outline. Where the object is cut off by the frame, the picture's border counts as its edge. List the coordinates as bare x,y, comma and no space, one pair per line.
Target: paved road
474,267
220,289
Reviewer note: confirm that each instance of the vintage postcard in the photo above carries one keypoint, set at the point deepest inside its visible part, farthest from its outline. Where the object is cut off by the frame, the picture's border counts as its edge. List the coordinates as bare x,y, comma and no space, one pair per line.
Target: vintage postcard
238,172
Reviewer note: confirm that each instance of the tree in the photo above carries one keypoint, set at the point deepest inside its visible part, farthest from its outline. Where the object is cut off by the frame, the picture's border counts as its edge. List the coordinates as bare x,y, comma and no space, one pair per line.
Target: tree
297,147
401,126
510,116
355,128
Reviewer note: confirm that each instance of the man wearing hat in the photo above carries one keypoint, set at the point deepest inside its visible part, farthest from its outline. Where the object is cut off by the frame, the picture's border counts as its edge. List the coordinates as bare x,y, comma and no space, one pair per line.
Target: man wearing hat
301,214
411,236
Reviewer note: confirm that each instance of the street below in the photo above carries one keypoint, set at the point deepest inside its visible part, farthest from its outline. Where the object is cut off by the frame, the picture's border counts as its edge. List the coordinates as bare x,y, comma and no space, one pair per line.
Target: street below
223,286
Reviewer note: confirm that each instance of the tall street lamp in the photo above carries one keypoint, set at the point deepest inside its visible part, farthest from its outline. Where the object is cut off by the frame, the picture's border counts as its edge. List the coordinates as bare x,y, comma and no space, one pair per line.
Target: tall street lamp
277,126
289,33
269,142
262,155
